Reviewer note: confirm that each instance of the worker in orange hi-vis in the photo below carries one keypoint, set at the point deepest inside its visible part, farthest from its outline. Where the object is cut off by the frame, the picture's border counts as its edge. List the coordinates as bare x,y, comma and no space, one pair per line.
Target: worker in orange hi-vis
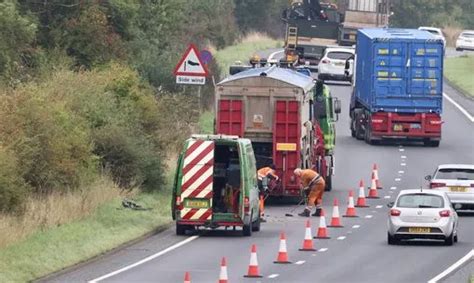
265,177
314,184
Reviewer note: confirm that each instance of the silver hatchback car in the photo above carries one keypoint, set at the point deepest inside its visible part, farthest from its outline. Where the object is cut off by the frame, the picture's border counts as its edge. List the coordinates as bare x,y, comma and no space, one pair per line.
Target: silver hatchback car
422,214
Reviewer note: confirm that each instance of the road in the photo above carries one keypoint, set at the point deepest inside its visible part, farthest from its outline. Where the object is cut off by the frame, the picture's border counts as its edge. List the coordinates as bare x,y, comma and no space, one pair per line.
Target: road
357,253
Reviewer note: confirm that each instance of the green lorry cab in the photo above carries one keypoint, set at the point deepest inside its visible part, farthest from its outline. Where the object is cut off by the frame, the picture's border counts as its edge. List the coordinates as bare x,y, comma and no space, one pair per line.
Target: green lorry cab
215,185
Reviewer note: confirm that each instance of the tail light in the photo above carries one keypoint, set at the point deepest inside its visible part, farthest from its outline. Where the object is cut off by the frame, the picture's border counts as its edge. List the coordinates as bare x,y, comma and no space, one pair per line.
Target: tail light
444,213
377,121
395,212
437,185
178,201
472,185
325,61
436,122
246,205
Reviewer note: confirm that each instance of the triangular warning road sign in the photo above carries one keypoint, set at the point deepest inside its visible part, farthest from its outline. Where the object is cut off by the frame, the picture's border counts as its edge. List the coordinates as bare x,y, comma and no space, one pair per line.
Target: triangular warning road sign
190,64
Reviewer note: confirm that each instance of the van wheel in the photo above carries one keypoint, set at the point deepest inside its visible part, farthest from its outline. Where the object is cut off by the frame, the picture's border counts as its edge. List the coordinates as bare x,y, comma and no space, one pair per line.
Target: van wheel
247,228
256,224
181,229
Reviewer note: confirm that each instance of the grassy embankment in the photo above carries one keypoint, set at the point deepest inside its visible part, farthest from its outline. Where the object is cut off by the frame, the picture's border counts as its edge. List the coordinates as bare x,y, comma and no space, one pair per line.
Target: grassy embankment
51,235
458,71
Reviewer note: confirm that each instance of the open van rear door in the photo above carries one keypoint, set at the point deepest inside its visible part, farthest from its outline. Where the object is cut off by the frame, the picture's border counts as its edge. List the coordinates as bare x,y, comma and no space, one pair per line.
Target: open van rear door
197,181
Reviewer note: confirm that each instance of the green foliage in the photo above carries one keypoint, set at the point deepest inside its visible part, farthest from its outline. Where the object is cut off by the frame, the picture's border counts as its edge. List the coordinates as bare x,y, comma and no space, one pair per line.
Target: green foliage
440,13
17,32
13,189
263,16
458,71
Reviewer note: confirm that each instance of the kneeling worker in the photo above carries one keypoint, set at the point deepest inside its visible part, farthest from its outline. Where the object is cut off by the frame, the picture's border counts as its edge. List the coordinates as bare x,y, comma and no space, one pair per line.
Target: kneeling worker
262,173
314,184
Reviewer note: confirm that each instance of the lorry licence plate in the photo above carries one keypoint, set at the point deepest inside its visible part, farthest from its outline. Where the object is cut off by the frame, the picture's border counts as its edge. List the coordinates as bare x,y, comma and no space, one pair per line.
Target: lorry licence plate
398,127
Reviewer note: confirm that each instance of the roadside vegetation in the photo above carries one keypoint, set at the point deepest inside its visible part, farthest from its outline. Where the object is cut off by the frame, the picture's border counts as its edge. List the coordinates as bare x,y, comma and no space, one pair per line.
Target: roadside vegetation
458,71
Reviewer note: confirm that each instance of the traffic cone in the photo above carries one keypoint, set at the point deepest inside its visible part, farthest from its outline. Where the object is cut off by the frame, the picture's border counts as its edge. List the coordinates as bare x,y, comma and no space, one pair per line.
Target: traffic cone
361,198
373,188
282,253
223,278
253,266
187,278
377,180
322,230
350,211
335,220
308,239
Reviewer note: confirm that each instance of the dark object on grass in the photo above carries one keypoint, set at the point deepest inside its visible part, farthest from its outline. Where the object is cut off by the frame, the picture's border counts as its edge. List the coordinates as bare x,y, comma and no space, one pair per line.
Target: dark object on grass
126,203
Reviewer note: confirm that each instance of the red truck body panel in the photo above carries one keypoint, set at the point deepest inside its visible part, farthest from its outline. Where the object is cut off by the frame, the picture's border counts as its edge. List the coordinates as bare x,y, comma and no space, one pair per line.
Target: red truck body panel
411,125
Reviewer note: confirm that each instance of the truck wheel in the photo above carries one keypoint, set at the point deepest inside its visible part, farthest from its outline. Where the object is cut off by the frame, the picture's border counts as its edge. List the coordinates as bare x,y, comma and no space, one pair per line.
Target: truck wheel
431,143
359,133
247,228
328,184
256,224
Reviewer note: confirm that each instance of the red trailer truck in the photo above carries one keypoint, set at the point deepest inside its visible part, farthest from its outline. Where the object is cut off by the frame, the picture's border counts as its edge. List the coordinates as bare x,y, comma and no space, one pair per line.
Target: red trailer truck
282,112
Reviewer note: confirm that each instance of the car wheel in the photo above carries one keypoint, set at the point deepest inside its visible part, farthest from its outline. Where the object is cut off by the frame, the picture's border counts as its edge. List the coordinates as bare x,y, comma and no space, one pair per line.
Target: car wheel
391,240
449,240
456,238
247,228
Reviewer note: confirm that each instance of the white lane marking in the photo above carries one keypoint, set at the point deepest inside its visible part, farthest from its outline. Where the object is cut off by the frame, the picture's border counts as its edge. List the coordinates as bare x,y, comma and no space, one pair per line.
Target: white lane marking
456,265
356,226
275,53
387,197
401,149
341,238
393,188
459,107
390,192
379,206
300,262
323,250
147,259
401,172
397,179
403,164
403,156
368,216
273,275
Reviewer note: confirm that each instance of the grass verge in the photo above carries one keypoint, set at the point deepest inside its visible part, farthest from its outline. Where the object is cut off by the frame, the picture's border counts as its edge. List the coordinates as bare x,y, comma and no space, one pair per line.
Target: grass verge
243,50
458,71
52,249
206,123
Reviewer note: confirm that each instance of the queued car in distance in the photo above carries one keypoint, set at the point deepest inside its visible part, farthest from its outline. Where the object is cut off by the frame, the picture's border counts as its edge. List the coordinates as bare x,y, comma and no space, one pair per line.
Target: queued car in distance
457,180
333,62
436,32
422,214
465,40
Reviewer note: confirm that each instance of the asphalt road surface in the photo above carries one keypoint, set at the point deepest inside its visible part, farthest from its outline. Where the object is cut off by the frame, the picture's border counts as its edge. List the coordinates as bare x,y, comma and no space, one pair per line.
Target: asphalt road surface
356,253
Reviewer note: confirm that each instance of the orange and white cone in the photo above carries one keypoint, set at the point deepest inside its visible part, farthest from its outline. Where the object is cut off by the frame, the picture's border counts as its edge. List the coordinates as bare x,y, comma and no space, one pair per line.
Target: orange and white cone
373,188
350,211
187,278
336,219
253,266
361,199
282,252
322,229
377,180
308,239
223,278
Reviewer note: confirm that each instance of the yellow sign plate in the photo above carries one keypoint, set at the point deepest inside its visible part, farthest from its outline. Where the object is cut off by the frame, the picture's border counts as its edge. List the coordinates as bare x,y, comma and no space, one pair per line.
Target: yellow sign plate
286,146
196,203
419,230
458,189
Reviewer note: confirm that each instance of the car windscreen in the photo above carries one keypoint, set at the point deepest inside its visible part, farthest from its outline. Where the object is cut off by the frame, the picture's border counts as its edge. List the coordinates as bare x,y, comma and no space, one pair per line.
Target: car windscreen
420,201
467,35
455,174
339,55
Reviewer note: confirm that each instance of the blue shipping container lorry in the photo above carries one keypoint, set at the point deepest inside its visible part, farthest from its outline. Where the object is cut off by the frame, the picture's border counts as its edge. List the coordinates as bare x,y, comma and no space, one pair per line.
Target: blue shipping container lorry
398,86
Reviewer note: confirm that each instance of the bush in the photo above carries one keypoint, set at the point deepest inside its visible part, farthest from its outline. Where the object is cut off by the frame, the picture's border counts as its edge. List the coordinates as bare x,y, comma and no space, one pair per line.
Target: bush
13,189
